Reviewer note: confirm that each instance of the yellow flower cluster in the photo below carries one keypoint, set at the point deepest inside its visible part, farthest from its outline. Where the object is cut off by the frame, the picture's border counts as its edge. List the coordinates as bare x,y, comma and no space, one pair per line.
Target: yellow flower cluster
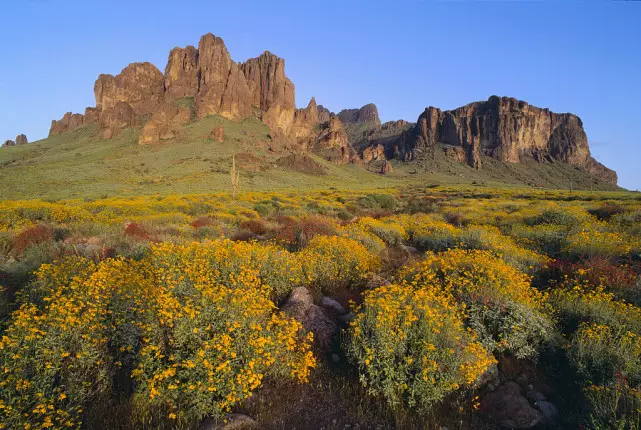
507,312
198,336
332,262
411,346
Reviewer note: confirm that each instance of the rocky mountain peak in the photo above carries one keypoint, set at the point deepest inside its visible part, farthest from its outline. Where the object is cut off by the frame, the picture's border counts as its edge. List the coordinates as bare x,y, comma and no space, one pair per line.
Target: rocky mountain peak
366,114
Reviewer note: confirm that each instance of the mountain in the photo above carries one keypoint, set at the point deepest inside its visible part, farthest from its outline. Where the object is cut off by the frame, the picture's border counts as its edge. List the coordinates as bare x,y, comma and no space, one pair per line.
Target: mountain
202,82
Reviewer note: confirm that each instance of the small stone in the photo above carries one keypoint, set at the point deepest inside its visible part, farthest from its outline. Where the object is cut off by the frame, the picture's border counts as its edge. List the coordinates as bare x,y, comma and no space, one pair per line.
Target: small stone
332,305
335,358
549,411
231,422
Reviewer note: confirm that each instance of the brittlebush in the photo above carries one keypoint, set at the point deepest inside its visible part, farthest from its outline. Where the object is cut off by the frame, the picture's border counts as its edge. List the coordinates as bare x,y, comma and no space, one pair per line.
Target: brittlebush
508,314
411,347
164,327
332,262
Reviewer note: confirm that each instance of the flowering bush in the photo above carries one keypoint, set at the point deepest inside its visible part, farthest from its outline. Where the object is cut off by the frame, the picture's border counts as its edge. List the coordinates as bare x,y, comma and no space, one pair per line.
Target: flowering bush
411,347
162,327
506,312
581,302
332,262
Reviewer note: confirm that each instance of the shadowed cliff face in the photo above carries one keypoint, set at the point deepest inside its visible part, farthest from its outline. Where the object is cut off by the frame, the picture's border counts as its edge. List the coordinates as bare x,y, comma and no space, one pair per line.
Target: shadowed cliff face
507,129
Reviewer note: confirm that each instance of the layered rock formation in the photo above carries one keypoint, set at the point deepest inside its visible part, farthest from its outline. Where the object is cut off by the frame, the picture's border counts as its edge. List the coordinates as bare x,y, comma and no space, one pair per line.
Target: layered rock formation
507,129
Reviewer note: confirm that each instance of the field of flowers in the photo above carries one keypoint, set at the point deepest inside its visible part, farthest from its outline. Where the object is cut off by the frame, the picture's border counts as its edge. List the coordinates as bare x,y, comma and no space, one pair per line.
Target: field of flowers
162,311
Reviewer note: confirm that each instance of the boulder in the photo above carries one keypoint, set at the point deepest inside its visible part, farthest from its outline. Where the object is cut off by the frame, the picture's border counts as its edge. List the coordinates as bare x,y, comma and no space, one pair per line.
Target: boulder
386,168
233,421
166,123
549,411
21,139
9,143
218,134
508,408
332,306
140,85
300,306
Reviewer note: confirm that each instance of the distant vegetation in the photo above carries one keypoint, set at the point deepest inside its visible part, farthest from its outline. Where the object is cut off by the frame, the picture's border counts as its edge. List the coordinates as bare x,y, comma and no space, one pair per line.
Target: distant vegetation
159,311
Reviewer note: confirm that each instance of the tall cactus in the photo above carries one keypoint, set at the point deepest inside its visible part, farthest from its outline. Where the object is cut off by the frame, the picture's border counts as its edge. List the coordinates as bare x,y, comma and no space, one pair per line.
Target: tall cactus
235,175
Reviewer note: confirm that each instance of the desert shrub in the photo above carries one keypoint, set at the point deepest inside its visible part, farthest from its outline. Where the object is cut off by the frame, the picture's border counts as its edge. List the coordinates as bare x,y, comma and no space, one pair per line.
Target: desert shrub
553,217
361,233
331,262
161,330
389,231
607,211
32,236
57,360
296,233
548,239
377,201
602,353
628,222
208,346
594,242
426,233
278,269
613,406
490,238
619,279
508,314
579,302
411,347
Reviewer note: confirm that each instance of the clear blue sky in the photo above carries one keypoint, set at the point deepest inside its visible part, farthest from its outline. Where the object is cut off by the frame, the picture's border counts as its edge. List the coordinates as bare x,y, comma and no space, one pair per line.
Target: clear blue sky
580,57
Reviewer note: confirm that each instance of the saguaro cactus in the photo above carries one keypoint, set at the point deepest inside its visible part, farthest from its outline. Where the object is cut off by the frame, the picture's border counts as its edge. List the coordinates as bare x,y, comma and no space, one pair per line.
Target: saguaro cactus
235,175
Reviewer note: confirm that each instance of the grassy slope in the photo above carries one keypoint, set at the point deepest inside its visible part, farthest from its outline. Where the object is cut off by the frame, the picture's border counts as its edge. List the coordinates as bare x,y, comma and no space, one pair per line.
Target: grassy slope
78,164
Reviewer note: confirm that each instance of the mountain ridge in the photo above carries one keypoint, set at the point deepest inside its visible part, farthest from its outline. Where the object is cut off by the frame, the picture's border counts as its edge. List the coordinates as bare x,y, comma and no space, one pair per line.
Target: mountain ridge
204,81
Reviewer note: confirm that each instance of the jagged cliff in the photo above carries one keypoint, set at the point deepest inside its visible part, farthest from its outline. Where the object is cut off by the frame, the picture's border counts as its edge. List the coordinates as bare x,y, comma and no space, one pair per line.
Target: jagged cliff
202,81
141,93
506,129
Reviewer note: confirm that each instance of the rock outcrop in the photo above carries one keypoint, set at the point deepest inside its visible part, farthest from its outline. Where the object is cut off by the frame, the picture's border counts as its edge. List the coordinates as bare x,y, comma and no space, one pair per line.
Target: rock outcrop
218,134
366,114
21,139
222,86
181,73
272,92
9,142
166,123
323,114
71,121
333,143
115,119
217,84
141,85
509,130
306,120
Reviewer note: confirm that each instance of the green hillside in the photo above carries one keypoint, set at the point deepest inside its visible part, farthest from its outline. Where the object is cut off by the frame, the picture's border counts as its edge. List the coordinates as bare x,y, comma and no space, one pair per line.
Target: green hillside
80,165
